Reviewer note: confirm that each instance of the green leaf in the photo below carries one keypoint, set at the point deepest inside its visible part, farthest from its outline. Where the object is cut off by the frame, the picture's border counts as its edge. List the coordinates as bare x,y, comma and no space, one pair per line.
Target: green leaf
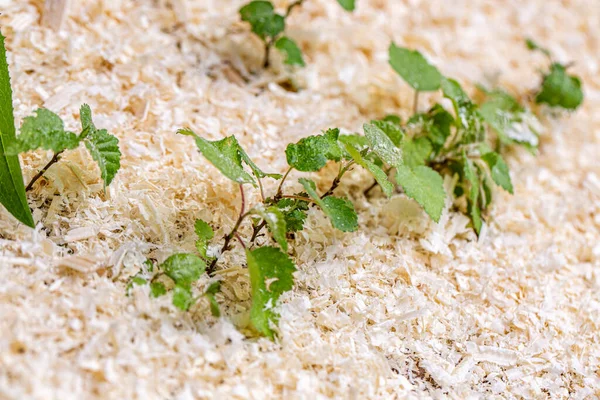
425,186
473,193
438,127
104,149
391,129
182,297
203,230
416,151
509,119
293,54
157,289
271,274
499,170
340,211
223,154
45,131
382,145
414,69
560,89
394,119
313,152
379,174
210,292
275,222
347,5
12,189
262,18
467,115
85,116
294,212
255,169
183,268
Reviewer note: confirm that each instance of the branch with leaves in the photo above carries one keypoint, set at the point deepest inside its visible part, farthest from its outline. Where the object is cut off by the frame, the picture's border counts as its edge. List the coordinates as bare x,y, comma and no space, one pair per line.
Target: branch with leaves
46,131
269,26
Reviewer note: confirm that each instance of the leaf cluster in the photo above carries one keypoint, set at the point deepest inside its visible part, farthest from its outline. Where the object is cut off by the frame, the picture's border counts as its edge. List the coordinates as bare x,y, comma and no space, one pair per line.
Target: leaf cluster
269,26
558,87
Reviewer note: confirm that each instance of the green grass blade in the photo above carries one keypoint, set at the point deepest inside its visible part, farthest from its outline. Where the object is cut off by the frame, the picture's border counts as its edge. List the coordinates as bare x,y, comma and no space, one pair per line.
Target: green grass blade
12,189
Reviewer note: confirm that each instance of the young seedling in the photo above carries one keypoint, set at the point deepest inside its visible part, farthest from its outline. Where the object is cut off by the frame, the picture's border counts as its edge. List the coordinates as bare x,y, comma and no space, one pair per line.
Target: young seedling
12,189
454,144
46,131
558,88
269,26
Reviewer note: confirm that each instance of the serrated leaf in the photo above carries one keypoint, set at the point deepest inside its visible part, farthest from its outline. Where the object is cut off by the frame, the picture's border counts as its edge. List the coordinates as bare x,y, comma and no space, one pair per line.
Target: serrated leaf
312,153
45,131
560,89
210,292
104,149
271,275
416,151
262,18
183,268
472,193
275,222
224,154
12,189
85,116
498,170
289,48
347,5
379,174
414,69
340,211
382,145
182,297
157,289
425,186
294,212
391,129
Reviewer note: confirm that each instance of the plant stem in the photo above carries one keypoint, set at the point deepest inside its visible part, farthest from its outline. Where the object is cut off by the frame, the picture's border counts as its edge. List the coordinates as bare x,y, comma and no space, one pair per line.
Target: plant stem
416,102
268,44
256,231
212,267
288,196
295,4
337,179
280,188
37,176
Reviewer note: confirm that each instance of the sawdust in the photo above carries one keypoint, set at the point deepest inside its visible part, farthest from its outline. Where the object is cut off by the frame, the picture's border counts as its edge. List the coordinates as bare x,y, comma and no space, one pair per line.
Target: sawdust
401,308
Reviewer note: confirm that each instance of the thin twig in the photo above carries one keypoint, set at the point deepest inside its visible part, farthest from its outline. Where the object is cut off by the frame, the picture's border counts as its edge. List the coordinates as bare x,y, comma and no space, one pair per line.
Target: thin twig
280,188
37,176
367,190
239,238
212,267
295,4
262,190
256,231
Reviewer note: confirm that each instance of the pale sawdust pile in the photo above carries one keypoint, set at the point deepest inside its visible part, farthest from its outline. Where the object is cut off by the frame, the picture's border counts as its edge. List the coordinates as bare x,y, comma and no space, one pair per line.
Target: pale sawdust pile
401,308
